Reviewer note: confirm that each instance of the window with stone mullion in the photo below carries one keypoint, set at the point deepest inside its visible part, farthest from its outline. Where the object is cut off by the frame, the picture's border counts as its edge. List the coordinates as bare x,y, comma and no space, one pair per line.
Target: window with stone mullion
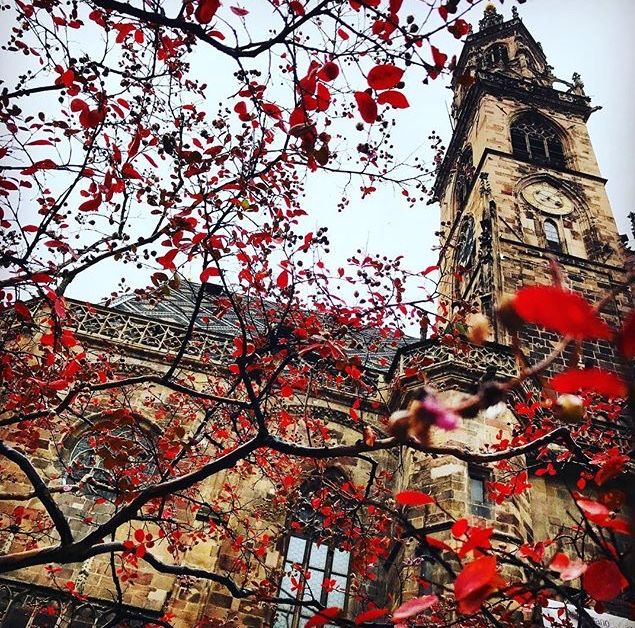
323,562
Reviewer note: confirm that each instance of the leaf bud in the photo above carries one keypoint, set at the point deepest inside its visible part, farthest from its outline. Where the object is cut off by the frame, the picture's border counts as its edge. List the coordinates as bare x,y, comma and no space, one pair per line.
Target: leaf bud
569,408
508,316
479,330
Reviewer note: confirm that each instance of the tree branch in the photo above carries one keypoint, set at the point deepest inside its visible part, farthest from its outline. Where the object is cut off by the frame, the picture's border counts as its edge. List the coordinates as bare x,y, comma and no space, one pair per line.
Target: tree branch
41,490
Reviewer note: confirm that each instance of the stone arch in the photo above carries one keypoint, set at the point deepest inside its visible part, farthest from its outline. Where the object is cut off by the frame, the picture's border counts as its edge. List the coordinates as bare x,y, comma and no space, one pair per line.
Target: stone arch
113,442
496,55
537,138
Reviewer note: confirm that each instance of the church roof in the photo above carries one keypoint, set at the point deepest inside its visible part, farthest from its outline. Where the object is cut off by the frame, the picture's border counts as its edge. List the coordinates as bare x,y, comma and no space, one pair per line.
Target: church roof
177,307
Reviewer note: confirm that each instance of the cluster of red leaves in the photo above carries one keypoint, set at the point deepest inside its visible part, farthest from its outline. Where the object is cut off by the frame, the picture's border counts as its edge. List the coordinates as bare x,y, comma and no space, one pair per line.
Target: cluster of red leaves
571,315
381,78
476,582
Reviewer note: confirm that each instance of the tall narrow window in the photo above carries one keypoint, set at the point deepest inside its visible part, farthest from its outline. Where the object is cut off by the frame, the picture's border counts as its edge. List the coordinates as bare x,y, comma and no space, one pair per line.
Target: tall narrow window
115,456
536,139
464,176
552,236
477,492
314,569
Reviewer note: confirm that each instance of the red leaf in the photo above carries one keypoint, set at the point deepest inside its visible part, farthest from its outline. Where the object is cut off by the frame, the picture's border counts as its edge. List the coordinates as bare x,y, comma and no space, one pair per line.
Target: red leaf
476,583
589,380
413,498
323,97
568,569
8,185
283,280
560,310
343,34
384,76
394,6
438,57
603,580
323,617
91,204
367,106
206,10
374,613
211,271
299,124
66,78
626,340
77,104
239,11
459,28
437,543
394,98
459,528
328,72
22,310
414,607
41,278
167,260
139,535
129,172
123,31
296,7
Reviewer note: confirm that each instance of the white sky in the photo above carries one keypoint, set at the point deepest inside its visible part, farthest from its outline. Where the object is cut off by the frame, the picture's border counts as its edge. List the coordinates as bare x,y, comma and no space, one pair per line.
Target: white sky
590,37
585,36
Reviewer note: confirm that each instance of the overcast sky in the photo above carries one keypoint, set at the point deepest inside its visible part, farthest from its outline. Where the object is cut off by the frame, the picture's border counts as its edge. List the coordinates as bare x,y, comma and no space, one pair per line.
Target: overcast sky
587,36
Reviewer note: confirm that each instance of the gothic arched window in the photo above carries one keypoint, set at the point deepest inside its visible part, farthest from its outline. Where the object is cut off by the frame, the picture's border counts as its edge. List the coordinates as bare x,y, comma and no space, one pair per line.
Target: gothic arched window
464,175
115,455
315,568
536,139
496,55
552,236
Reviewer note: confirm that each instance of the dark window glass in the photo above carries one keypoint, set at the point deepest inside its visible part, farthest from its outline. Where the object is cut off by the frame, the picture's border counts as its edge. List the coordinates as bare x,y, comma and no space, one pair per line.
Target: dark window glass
536,139
496,55
477,487
464,175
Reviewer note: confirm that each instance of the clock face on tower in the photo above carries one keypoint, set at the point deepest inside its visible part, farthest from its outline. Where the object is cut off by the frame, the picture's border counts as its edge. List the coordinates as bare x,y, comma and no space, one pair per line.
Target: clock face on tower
547,198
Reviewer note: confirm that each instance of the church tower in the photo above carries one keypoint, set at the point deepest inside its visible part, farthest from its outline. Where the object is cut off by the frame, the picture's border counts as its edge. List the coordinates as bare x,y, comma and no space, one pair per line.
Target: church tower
520,182
519,186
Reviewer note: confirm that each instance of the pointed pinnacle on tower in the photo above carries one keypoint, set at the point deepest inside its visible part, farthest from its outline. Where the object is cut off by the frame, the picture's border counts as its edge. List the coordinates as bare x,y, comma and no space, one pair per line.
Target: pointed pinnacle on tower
491,17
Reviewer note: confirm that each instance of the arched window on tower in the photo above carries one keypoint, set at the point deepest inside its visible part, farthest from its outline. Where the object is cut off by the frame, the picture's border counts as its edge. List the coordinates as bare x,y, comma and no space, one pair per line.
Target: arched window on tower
496,56
552,236
316,562
464,175
536,139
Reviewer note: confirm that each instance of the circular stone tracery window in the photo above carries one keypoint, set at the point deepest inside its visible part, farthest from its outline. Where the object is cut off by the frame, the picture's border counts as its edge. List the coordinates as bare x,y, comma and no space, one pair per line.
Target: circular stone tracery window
113,457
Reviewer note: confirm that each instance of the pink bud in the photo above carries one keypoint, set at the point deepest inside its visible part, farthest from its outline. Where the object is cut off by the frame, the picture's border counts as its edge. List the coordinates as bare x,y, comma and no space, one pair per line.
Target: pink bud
439,415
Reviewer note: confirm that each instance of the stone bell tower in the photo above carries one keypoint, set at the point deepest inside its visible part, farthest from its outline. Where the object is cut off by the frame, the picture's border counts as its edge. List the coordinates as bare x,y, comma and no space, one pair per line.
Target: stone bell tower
520,181
519,186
